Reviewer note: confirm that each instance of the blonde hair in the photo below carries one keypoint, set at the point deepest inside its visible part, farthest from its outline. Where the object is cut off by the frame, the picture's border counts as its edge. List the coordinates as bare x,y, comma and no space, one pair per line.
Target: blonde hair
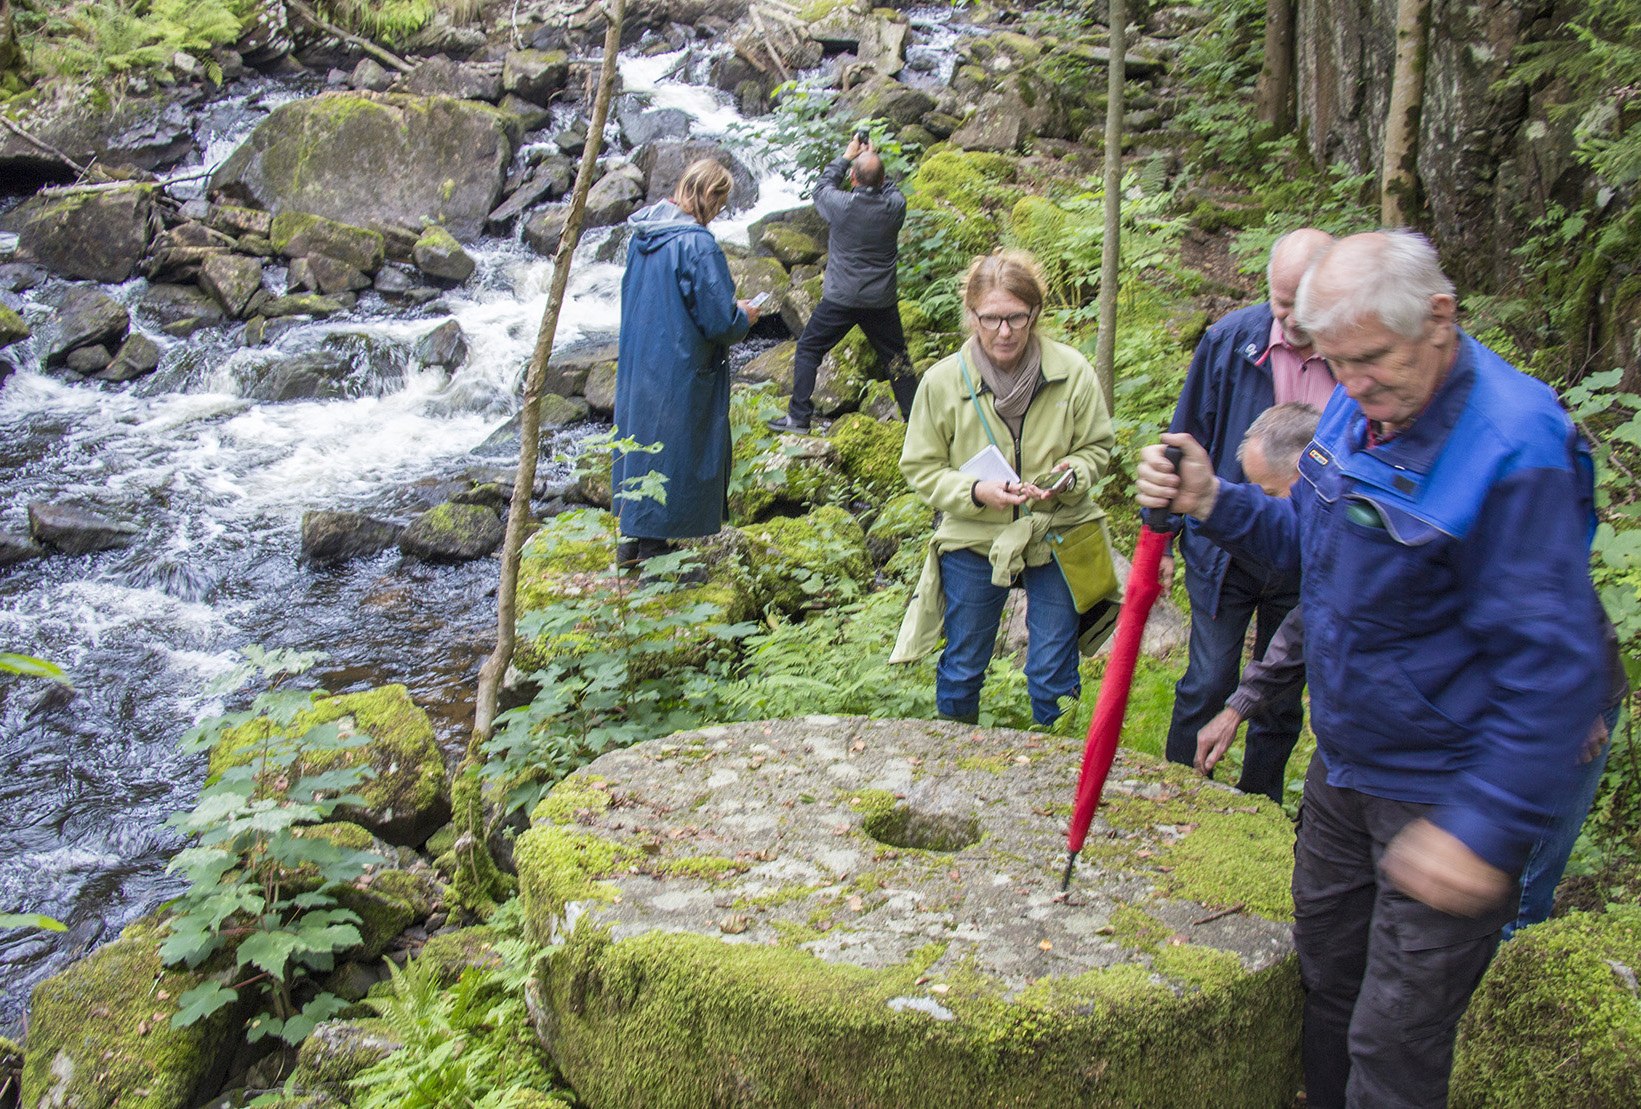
1015,272
704,188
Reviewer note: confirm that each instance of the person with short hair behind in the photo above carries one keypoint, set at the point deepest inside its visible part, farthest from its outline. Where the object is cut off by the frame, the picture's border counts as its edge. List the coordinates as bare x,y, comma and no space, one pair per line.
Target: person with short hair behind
1441,528
859,290
1038,402
679,317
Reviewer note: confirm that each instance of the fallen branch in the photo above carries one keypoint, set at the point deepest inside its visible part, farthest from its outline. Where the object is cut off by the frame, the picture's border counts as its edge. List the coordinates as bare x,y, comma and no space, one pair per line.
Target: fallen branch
1211,917
366,45
44,146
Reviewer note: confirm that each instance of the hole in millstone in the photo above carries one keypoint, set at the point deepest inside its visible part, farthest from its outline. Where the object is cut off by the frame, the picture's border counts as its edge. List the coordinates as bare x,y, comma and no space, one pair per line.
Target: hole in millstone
923,829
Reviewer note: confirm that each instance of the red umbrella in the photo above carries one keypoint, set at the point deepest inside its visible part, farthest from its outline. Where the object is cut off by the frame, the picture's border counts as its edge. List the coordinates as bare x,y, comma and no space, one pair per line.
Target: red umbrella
1139,595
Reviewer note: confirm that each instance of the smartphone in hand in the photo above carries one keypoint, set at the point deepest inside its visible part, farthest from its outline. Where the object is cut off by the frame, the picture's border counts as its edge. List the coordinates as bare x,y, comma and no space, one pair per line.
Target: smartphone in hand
759,301
1063,482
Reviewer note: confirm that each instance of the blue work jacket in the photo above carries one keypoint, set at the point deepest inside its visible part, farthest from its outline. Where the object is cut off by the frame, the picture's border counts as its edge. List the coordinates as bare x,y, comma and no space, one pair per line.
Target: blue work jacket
1225,391
678,319
1451,631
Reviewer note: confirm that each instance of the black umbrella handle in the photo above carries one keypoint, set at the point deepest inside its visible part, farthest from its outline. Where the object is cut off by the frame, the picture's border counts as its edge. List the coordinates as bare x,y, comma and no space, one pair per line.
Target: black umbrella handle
1157,519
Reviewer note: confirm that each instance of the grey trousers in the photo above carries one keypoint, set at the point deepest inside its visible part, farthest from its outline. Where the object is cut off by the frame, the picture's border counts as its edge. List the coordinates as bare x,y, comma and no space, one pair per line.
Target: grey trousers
1386,977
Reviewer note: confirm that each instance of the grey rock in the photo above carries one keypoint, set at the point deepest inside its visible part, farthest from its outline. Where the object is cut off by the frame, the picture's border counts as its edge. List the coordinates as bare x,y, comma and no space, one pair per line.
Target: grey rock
232,279
320,273
331,537
167,304
567,371
600,389
137,356
547,180
18,548
461,80
438,254
535,75
664,161
88,317
444,346
316,375
77,531
370,76
530,116
95,236
302,304
641,124
545,227
615,197
298,234
393,281
452,533
19,277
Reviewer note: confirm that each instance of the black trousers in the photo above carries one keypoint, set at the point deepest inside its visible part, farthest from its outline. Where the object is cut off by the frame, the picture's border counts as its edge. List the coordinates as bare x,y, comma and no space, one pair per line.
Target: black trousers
1214,666
1386,977
827,326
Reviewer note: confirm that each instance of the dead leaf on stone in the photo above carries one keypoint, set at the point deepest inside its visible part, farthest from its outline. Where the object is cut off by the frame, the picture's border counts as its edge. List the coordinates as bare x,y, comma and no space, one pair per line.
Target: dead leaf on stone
1023,760
1178,940
855,903
1045,946
1105,930
840,829
755,762
142,1028
733,924
913,760
858,745
163,995
939,987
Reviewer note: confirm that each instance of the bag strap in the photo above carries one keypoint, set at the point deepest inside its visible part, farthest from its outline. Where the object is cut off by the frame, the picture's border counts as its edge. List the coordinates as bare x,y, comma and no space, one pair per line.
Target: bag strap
974,395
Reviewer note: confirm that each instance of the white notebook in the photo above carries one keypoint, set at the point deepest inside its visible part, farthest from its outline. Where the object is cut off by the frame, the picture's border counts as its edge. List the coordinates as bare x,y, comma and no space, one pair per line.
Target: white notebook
990,465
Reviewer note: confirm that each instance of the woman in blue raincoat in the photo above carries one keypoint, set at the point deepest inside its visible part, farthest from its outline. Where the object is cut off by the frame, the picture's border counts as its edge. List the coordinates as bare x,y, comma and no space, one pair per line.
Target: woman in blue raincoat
679,316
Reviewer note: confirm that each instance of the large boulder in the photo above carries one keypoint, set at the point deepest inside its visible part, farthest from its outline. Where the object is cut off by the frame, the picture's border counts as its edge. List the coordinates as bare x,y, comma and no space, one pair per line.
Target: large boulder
882,98
100,1032
615,197
830,911
375,160
406,800
438,254
440,76
298,234
665,160
12,327
77,530
138,355
535,75
88,317
96,235
330,536
453,532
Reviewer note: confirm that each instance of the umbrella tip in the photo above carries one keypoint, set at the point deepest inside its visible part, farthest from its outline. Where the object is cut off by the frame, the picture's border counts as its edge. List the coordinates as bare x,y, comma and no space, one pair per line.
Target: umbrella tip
1065,880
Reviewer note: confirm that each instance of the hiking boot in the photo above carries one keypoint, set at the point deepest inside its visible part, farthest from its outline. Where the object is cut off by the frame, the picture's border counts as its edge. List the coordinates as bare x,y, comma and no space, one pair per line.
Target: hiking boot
786,425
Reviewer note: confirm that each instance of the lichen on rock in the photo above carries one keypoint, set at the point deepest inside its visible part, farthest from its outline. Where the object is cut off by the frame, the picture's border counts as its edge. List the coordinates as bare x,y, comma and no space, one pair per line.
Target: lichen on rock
811,963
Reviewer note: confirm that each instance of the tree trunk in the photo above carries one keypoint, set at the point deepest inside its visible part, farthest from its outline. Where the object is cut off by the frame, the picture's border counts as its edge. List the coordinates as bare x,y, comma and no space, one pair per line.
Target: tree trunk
1105,351
1398,172
1275,91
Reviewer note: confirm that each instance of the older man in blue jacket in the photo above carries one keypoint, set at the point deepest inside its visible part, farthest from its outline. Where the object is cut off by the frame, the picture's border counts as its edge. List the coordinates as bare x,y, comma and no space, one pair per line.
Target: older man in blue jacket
1442,522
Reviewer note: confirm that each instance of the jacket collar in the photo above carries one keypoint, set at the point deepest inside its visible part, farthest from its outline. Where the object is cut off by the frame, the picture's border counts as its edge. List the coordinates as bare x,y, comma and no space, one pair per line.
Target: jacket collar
1417,448
1055,368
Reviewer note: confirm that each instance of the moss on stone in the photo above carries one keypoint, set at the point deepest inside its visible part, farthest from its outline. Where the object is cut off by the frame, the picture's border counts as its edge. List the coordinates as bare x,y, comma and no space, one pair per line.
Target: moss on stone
295,234
904,520
580,793
341,833
795,561
1557,1019
339,1051
418,889
1133,927
476,883
12,327
870,452
382,916
450,954
964,191
557,866
100,1031
405,799
650,1020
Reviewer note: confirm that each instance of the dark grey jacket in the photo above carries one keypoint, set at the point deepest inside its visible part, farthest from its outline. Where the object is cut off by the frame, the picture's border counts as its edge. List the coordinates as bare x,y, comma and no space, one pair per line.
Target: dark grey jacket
863,246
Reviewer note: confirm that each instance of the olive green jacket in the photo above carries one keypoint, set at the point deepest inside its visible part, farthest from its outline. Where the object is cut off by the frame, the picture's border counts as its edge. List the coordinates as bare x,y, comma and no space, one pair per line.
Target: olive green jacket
1067,421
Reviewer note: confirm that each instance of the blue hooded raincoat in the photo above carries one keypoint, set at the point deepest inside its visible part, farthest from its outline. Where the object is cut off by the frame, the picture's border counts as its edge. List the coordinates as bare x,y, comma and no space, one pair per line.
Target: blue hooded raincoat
678,319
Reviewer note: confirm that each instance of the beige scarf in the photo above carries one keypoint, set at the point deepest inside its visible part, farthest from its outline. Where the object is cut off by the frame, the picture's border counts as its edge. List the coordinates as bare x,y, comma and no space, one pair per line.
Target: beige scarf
1011,392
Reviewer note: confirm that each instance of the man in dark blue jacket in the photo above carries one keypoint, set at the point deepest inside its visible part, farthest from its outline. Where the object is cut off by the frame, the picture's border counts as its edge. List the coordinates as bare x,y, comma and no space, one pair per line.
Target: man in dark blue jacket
860,288
1442,520
1249,361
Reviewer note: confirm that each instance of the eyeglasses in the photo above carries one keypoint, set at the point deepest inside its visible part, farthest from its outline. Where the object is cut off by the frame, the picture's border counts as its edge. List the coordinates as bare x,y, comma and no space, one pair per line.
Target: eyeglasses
1016,322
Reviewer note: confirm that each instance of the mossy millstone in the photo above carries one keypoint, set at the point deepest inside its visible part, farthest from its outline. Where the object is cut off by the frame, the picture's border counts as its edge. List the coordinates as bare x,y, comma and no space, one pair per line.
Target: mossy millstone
733,935
408,798
1557,1019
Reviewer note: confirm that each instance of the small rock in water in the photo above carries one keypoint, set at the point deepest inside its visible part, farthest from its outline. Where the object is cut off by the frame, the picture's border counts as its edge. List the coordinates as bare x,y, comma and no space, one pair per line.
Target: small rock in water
76,530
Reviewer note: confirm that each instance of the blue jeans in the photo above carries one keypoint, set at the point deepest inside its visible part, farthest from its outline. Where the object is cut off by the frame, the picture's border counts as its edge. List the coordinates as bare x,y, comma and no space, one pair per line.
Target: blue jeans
973,608
1215,666
1542,873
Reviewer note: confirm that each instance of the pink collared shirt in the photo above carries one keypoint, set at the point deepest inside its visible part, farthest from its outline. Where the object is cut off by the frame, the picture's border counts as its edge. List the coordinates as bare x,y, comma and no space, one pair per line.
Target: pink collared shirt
1295,378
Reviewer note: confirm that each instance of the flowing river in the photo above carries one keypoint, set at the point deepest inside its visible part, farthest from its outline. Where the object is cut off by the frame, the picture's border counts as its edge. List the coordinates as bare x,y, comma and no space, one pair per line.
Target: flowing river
217,485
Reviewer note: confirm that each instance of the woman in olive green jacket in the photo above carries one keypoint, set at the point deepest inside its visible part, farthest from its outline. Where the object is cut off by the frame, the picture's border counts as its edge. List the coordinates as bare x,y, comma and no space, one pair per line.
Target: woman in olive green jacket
1039,403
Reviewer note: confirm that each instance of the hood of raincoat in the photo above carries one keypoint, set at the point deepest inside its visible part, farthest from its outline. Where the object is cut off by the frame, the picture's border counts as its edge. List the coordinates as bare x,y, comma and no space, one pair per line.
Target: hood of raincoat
659,224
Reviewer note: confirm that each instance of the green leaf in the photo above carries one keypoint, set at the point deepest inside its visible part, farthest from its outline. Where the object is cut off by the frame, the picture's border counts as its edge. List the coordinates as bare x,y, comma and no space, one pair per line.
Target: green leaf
269,951
201,1001
30,667
32,920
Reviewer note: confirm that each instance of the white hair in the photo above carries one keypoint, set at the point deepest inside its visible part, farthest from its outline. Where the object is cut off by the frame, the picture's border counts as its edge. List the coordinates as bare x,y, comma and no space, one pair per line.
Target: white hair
1283,431
1396,289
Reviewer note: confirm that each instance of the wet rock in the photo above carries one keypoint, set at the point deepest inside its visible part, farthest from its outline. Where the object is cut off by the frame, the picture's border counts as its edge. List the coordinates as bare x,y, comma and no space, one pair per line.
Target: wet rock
997,126
545,227
232,279
888,99
548,180
393,281
16,548
895,883
789,245
77,531
320,273
19,277
535,75
302,304
664,161
375,160
529,116
756,275
369,76
88,317
804,219
572,140
452,533
444,346
88,361
438,254
613,198
773,365
330,536
558,413
315,375
641,124
297,234
442,77
567,371
92,235
600,389
137,356
103,1027
407,799
12,327
169,304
